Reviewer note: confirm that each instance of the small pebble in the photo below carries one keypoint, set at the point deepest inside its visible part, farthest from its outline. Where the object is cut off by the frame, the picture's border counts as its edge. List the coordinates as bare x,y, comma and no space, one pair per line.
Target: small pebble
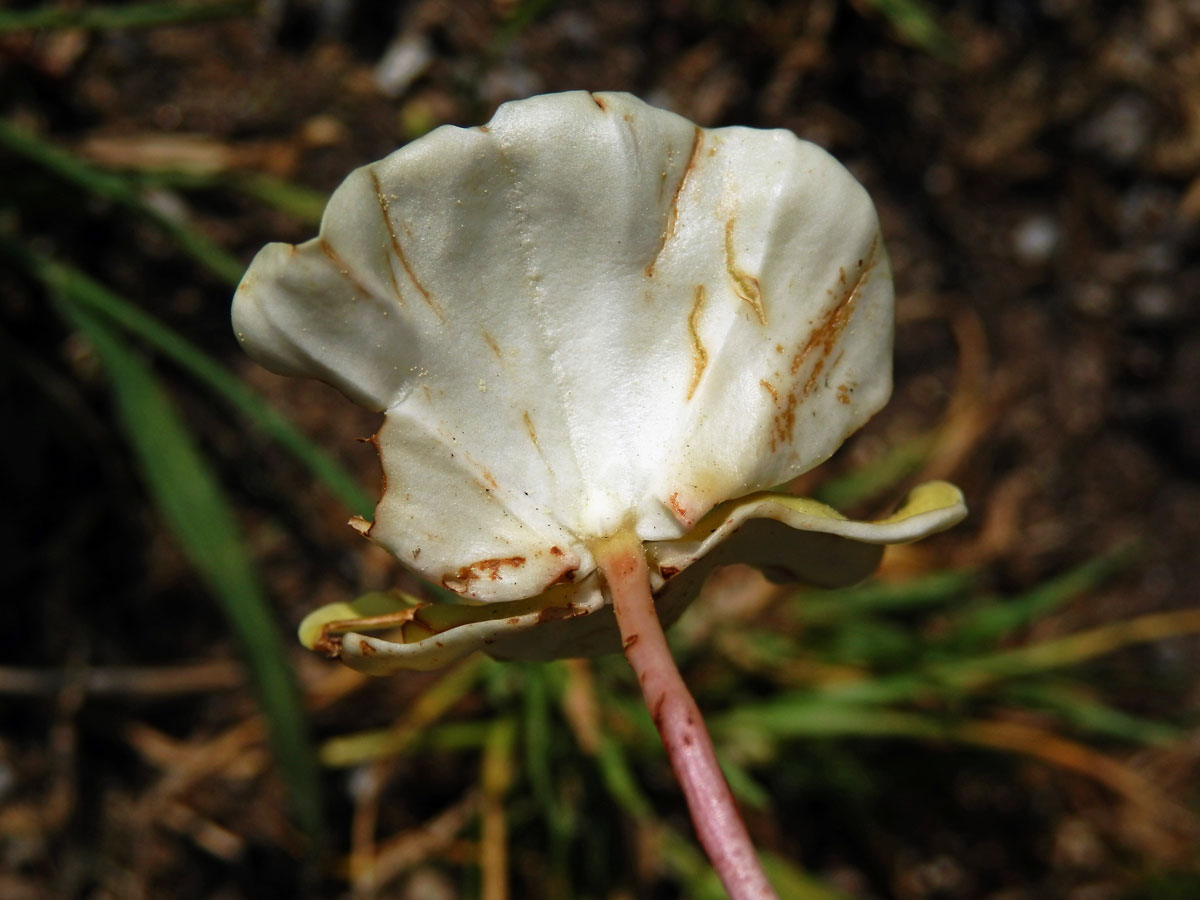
1035,239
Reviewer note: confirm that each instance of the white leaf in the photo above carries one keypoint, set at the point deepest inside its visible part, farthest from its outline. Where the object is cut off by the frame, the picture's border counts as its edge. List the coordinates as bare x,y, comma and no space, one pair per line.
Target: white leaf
585,316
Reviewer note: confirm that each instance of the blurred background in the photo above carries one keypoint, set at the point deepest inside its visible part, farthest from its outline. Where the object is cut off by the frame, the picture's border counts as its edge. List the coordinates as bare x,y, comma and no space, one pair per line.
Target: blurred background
1006,711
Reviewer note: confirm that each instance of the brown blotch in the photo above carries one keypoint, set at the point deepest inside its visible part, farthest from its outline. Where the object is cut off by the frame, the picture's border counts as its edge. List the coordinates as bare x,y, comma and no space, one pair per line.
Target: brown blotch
829,330
669,572
365,648
770,389
557,613
567,576
630,641
556,551
745,285
673,209
387,221
784,422
843,393
328,644
515,620
657,709
399,250
485,568
599,103
342,267
491,342
822,341
529,428
490,479
676,506
699,354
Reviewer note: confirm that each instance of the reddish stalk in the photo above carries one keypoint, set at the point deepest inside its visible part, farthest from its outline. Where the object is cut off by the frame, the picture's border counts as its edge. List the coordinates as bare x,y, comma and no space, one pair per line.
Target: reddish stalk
718,823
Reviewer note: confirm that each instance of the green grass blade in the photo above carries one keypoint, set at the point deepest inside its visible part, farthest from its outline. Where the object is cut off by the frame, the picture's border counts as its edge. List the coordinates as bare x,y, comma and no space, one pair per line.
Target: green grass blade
915,22
620,781
1077,707
191,502
873,480
133,15
1000,617
120,190
90,294
301,203
537,739
815,607
793,883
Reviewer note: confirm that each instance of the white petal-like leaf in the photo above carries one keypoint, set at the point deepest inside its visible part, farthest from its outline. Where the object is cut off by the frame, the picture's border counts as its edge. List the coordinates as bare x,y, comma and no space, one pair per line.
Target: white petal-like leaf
585,316
589,317
791,537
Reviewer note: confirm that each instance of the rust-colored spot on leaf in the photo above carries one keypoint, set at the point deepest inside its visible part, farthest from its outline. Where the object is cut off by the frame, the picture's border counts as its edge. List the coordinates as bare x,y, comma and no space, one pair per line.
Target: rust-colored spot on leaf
342,267
328,644
529,428
599,103
490,479
829,330
673,209
745,285
784,422
491,342
699,354
515,620
558,613
365,648
398,249
669,572
677,507
843,393
387,221
566,576
630,641
770,388
556,551
485,568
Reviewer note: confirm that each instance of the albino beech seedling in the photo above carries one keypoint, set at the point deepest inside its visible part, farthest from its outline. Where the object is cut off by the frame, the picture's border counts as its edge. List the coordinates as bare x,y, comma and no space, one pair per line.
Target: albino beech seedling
598,334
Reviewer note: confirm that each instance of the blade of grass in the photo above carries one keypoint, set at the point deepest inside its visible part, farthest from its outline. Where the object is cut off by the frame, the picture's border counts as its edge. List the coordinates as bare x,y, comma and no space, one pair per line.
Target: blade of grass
878,478
496,776
915,22
433,703
1070,650
793,883
999,617
959,677
85,292
119,190
193,506
133,15
814,607
619,780
301,203
1076,706
536,740
780,720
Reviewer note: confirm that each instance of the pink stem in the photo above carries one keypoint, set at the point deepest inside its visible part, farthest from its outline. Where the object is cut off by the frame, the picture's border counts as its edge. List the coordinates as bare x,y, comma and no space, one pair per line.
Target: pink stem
718,824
